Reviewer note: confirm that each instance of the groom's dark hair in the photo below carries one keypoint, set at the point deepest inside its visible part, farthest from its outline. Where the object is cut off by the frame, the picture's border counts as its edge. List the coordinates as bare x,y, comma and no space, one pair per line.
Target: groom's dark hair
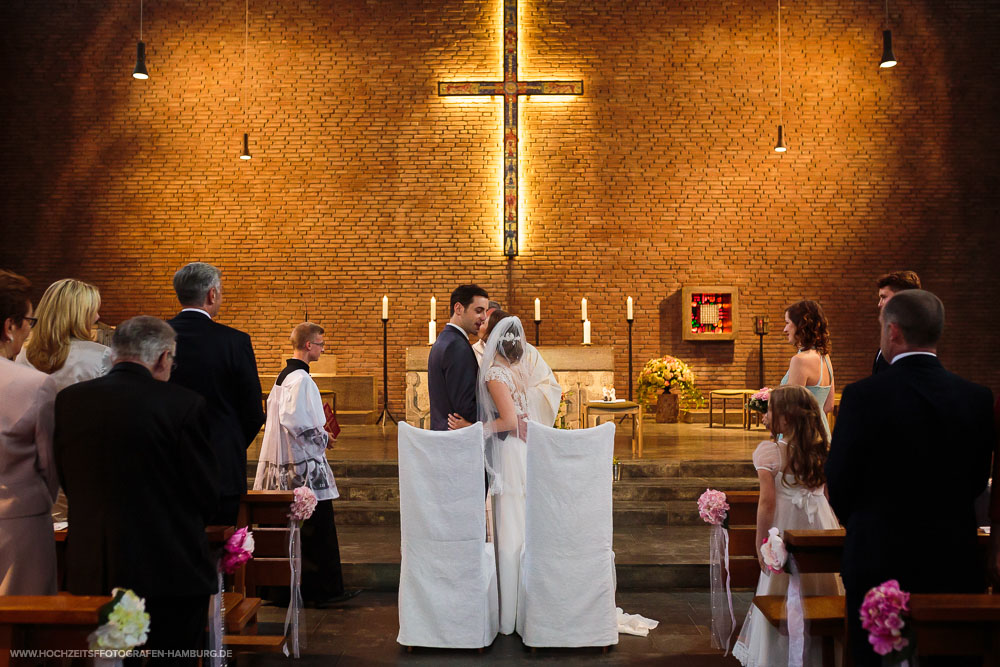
464,294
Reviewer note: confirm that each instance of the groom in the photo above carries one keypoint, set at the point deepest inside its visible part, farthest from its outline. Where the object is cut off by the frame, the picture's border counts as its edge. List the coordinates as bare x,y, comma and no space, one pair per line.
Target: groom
452,368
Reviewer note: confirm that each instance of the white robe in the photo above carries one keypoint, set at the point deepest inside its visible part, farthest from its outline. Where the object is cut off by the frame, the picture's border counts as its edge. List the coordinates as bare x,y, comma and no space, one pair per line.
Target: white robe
293,452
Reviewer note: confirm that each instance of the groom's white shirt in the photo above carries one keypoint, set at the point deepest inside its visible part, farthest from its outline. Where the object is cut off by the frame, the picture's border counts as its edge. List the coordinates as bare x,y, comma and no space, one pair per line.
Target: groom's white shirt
910,354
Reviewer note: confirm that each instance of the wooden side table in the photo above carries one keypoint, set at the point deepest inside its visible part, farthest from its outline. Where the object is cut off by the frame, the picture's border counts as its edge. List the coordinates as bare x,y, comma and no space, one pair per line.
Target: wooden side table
598,409
727,395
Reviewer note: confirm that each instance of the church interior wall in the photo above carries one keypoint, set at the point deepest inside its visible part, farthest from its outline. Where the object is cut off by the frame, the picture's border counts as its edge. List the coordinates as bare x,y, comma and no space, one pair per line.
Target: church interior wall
365,182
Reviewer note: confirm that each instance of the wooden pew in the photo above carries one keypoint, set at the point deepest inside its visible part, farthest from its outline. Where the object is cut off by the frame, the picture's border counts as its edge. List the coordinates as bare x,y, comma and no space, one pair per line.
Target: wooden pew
47,621
266,513
744,571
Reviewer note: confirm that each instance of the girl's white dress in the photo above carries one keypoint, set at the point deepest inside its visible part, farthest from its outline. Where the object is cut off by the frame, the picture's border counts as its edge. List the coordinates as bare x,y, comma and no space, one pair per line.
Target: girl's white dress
798,508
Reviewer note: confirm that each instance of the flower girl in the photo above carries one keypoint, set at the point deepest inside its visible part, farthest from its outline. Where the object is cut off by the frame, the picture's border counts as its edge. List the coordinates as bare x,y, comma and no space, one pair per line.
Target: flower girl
790,471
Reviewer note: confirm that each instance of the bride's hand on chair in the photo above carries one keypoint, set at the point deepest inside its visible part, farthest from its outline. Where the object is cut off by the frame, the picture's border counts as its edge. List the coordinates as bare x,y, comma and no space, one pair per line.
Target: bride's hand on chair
456,421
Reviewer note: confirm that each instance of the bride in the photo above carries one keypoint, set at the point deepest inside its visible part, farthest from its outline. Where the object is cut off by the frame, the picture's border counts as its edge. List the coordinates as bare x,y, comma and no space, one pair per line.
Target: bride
503,410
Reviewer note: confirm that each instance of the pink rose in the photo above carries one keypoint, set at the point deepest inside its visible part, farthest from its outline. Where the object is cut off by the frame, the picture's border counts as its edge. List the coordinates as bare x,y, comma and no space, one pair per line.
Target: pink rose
303,505
713,507
237,551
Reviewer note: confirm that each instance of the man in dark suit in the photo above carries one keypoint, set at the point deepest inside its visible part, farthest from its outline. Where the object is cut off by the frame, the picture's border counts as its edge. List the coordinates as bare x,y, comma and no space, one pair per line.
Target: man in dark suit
218,362
888,286
452,369
134,460
910,454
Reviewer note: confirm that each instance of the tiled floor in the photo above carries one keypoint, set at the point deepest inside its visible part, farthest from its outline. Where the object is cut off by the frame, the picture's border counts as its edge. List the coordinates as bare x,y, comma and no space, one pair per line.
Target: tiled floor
363,632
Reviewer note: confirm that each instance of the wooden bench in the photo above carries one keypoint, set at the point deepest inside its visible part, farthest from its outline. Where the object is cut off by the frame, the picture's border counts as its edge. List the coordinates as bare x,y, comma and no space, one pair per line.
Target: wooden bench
47,621
744,570
266,513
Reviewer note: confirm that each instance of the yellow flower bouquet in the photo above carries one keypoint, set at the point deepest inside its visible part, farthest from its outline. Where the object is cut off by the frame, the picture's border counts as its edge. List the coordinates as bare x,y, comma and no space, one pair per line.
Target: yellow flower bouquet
663,375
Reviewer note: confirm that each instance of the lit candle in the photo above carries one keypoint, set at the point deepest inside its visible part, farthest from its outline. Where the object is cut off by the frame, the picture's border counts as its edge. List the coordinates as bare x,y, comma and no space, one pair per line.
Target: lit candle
385,307
434,303
431,332
538,310
586,332
628,310
583,309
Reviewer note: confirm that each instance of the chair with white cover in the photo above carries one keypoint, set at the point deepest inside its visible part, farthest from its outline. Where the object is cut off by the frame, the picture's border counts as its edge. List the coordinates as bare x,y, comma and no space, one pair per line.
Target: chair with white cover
567,589
447,577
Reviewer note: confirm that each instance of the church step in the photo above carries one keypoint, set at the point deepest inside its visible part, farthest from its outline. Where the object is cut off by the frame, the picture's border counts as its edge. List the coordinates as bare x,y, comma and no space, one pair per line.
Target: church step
626,512
660,558
645,489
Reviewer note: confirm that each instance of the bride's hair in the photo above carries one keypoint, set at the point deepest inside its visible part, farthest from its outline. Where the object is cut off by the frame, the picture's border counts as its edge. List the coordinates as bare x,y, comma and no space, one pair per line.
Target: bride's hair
802,422
811,329
495,317
510,346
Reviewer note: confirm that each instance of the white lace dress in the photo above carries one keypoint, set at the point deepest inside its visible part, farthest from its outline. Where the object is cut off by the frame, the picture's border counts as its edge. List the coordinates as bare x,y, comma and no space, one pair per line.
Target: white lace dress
508,506
798,508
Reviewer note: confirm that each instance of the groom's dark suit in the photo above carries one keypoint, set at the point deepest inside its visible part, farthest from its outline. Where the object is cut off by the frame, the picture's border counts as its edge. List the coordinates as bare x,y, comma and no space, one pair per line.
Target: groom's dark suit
910,454
452,372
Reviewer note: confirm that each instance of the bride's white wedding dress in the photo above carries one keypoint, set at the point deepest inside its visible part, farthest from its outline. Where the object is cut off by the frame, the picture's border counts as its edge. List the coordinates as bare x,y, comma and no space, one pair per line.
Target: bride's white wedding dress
508,505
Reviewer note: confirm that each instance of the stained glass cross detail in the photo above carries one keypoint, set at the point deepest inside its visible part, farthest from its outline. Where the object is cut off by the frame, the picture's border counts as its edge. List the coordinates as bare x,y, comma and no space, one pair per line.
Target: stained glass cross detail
511,88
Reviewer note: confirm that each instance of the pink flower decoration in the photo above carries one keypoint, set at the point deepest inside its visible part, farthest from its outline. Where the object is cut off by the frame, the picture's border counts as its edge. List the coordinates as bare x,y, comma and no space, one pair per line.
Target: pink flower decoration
773,551
762,395
303,505
881,617
712,506
237,551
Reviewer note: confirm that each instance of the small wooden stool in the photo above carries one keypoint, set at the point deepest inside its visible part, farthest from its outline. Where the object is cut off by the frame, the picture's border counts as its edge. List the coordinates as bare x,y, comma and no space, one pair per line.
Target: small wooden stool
725,395
597,409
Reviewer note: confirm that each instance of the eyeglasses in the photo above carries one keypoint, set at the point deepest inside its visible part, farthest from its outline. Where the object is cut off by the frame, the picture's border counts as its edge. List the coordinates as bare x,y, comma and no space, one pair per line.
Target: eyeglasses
32,321
318,344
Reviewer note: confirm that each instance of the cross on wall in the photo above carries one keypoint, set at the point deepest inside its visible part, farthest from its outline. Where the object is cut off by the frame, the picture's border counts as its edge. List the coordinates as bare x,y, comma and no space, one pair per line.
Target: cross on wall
511,88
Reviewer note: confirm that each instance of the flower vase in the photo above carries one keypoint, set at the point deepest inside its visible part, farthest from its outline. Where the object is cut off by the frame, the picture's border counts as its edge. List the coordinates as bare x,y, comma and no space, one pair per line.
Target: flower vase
667,410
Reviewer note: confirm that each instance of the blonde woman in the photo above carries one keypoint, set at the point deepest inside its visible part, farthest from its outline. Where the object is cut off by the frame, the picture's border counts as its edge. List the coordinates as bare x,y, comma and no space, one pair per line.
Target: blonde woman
62,343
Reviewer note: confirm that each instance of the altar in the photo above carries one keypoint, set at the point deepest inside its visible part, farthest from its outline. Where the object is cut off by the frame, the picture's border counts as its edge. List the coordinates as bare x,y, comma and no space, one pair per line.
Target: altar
582,372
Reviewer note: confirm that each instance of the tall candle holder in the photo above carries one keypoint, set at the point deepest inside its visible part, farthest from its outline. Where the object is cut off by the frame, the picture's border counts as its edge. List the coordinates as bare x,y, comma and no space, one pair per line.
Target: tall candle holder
629,320
537,322
386,415
760,325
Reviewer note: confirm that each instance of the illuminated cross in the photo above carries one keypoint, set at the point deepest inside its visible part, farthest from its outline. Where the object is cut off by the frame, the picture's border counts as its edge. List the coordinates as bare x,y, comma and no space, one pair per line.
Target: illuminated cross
510,88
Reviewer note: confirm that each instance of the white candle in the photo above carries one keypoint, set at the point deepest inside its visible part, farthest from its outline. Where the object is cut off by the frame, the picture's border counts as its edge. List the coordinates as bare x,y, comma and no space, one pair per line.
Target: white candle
628,310
431,332
583,309
538,310
385,307
434,304
586,332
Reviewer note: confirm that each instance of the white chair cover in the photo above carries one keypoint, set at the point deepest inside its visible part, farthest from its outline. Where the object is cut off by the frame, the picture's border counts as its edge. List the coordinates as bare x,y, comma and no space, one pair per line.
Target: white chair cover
448,576
567,591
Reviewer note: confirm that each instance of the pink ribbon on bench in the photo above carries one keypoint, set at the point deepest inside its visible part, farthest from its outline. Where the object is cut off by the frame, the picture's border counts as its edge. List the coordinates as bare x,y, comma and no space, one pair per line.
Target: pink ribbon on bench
795,615
722,627
292,617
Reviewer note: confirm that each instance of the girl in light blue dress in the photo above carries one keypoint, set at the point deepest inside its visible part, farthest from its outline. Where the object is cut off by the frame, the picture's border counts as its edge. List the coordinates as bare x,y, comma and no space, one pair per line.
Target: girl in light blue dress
806,327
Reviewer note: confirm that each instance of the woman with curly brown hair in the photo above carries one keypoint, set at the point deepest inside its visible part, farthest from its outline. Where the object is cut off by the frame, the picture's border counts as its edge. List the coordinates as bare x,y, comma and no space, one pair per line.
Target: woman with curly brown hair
792,496
807,330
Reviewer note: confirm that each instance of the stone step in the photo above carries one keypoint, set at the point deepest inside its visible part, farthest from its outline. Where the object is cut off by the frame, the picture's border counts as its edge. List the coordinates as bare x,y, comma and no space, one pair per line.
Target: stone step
626,513
656,559
640,488
630,469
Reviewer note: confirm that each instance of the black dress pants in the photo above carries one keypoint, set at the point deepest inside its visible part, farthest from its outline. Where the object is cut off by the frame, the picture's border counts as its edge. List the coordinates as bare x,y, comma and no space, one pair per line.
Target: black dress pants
322,578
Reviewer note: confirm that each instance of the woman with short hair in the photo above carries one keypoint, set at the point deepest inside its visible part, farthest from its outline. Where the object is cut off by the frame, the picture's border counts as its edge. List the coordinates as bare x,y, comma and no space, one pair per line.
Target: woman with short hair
28,479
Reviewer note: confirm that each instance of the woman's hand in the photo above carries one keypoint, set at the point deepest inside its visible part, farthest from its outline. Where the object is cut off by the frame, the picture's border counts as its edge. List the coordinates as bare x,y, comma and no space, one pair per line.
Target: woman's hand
456,421
766,420
760,561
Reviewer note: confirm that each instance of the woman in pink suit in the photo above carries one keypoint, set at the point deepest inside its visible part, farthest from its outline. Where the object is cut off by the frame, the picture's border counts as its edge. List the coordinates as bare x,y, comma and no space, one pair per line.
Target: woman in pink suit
28,482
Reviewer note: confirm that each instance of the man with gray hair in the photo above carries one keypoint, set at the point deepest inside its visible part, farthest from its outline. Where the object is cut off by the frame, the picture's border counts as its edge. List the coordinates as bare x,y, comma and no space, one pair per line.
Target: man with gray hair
134,459
910,455
218,362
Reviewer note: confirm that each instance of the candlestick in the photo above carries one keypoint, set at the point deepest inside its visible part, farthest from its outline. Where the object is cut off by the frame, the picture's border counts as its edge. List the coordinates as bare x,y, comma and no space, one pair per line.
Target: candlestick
431,332
386,415
538,310
630,360
434,303
586,332
628,310
537,322
583,310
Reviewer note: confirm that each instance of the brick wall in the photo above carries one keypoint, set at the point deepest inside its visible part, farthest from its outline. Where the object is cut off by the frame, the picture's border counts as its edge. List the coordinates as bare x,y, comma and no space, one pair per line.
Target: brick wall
365,182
